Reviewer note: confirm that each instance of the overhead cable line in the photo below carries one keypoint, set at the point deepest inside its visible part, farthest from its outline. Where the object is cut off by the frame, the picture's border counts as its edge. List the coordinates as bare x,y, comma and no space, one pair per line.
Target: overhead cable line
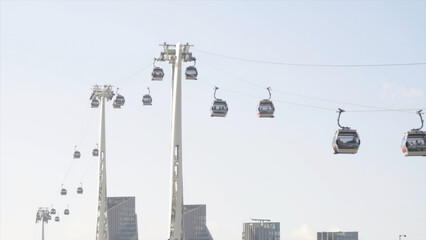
133,74
313,106
311,65
314,98
281,101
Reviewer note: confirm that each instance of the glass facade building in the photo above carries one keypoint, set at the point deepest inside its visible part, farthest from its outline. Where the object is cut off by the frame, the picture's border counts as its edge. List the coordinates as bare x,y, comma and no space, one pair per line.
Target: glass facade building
122,219
337,236
261,231
194,223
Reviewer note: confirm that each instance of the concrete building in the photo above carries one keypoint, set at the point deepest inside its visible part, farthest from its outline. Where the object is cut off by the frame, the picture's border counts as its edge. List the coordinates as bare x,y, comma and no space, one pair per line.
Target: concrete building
337,236
194,222
122,219
261,230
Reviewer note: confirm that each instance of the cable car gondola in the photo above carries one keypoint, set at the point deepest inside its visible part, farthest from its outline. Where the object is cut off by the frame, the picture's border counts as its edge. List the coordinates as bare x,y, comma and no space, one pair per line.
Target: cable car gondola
266,108
191,73
219,107
119,101
76,154
67,211
147,99
63,191
95,151
80,189
414,141
346,140
49,217
157,73
53,211
94,103
57,219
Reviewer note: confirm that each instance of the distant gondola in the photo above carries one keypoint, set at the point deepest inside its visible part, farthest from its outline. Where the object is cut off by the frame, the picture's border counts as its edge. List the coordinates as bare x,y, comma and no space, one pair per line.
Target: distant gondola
147,99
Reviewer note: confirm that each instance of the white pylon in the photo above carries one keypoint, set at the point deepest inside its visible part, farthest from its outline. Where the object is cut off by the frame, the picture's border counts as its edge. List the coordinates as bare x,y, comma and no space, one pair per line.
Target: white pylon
42,216
102,94
175,54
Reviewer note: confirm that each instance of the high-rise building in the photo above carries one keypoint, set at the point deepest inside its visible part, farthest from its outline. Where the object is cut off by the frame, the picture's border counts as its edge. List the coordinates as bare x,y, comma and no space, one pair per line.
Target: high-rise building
194,222
261,230
337,236
122,219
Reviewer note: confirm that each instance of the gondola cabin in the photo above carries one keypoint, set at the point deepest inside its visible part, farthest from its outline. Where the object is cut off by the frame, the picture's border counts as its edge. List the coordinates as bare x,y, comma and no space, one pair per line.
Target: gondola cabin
76,154
67,211
53,211
147,100
57,219
414,143
95,103
191,73
63,191
95,152
119,101
219,108
79,190
157,74
265,109
346,141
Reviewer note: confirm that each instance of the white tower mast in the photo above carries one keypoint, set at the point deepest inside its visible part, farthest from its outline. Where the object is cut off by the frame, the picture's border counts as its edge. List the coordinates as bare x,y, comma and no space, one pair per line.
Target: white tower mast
102,94
175,54
42,216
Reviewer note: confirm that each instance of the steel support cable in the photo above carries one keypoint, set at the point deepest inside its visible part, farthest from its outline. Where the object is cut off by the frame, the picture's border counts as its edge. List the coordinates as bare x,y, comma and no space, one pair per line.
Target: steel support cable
85,170
312,106
310,97
406,110
87,125
310,65
68,171
275,100
83,125
133,74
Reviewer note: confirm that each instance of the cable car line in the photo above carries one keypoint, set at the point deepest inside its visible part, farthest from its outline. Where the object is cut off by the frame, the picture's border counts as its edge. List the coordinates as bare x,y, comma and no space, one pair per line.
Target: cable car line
68,171
313,106
281,101
312,65
132,75
83,125
314,98
376,109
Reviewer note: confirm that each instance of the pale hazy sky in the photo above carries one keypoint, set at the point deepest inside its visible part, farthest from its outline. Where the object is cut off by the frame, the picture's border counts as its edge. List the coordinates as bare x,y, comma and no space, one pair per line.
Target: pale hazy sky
242,167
